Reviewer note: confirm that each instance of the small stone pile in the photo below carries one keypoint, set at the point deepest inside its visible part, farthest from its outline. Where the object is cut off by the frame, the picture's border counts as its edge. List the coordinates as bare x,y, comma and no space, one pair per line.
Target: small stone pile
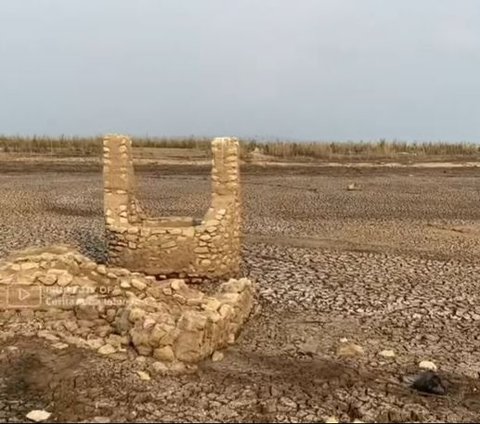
60,295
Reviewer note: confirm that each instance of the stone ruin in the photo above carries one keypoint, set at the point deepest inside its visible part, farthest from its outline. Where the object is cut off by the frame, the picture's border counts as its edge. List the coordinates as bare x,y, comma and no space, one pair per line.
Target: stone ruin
58,294
173,246
121,309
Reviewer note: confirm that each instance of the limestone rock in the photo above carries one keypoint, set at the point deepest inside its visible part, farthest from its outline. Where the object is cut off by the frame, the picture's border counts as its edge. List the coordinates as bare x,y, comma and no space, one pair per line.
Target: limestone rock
349,350
48,279
101,420
212,305
144,350
188,346
427,365
178,284
136,314
64,279
387,354
138,284
29,265
38,416
103,331
143,376
192,320
149,323
106,350
217,356
235,286
101,269
95,344
44,334
60,346
164,354
124,284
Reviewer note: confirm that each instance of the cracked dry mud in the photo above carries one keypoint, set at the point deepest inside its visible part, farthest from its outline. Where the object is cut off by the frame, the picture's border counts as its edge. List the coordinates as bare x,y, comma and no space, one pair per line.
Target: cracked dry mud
392,266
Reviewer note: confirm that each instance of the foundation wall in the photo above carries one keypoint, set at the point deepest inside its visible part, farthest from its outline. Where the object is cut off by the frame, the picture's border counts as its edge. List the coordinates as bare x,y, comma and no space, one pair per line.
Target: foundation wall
58,294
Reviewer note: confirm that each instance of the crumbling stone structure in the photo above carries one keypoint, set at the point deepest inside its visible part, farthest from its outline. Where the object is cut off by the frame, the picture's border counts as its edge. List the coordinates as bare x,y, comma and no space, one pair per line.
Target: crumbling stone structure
173,246
64,297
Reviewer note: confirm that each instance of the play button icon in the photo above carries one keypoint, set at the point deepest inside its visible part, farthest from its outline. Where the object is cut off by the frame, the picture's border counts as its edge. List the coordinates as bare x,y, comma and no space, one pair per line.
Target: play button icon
24,296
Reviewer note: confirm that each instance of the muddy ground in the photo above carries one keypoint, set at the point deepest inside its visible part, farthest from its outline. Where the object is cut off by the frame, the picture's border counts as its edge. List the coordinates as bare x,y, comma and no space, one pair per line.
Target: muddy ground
393,265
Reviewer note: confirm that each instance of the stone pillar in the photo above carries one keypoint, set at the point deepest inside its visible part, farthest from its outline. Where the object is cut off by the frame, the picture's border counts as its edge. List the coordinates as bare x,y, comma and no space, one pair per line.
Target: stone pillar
225,209
225,169
118,180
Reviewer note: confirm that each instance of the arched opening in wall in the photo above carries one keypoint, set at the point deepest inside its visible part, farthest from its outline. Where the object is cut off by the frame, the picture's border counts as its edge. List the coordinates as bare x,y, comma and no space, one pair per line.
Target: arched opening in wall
173,182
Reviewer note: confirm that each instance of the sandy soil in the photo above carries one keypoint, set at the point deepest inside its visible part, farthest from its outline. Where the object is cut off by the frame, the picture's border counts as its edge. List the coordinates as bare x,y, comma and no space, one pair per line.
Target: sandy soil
393,265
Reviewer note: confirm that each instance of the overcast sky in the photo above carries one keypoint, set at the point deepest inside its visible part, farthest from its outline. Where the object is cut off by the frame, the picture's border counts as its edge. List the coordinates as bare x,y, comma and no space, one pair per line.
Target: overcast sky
296,69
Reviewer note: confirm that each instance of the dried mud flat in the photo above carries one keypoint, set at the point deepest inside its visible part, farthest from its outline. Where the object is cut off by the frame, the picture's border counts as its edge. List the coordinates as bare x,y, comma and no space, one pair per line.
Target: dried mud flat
390,266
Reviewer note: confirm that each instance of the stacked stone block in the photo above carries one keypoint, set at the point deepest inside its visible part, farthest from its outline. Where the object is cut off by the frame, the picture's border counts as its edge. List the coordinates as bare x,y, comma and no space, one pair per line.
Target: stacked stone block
173,245
60,295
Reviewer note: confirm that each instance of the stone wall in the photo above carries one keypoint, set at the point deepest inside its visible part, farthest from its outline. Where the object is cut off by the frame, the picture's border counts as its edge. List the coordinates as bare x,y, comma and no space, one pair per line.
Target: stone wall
172,246
64,297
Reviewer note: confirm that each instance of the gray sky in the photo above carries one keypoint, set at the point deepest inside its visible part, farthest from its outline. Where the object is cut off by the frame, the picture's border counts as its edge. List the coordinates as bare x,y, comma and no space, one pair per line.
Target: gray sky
298,69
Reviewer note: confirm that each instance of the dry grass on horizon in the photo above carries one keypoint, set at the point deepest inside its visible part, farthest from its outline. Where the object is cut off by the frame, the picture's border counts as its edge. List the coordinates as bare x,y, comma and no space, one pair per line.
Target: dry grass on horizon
302,151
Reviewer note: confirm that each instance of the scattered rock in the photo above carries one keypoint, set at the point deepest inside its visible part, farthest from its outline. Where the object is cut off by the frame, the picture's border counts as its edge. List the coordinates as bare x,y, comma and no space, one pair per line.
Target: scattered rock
143,376
106,350
343,340
387,354
101,420
427,365
38,416
350,350
331,420
217,356
60,346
